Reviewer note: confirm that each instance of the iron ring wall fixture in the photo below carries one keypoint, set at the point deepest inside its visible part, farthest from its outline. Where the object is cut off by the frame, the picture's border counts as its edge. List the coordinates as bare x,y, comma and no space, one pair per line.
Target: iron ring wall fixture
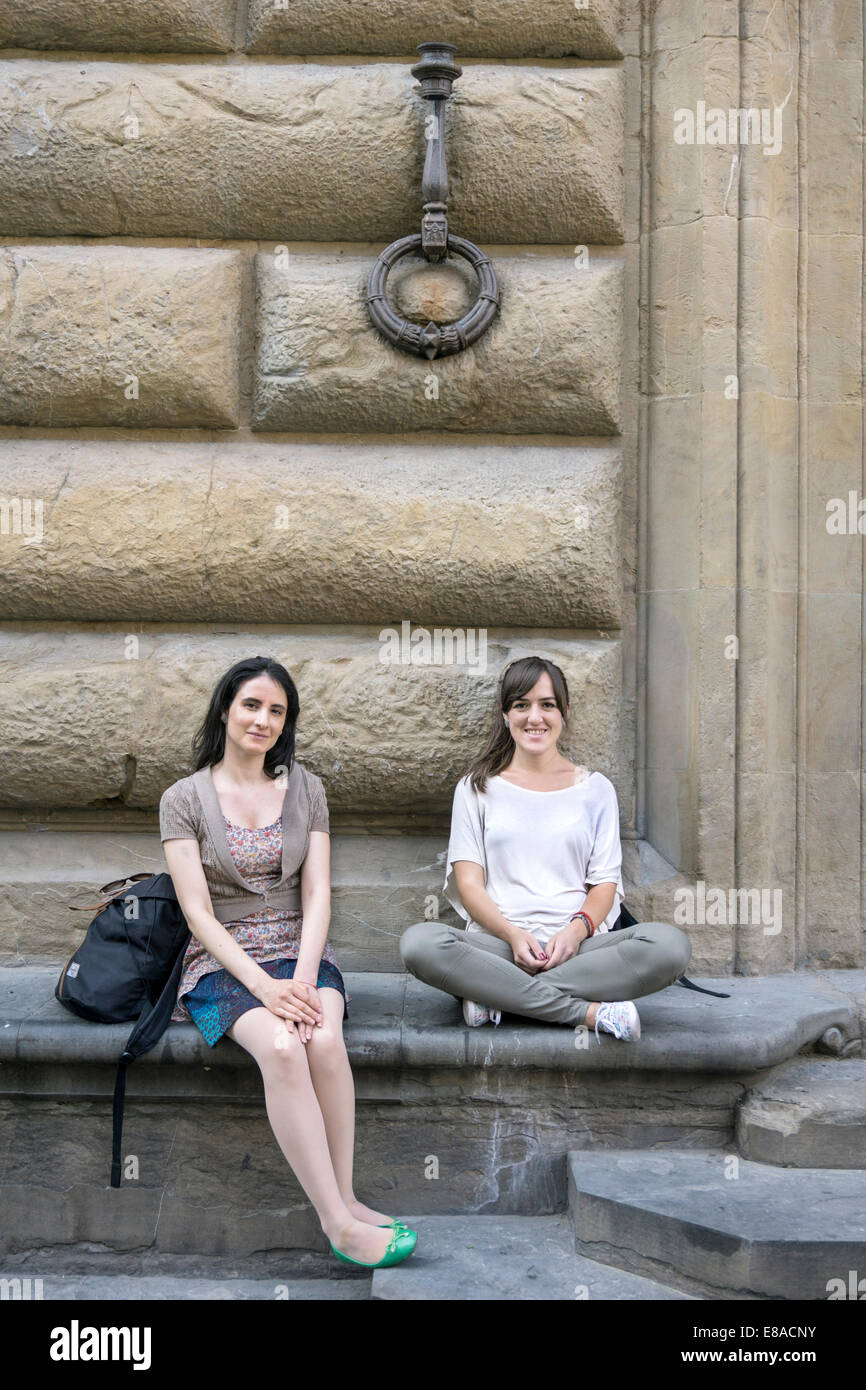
436,340
436,72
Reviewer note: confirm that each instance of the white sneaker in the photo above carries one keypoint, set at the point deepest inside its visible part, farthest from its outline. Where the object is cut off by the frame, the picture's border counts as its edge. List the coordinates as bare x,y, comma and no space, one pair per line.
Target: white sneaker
476,1014
621,1019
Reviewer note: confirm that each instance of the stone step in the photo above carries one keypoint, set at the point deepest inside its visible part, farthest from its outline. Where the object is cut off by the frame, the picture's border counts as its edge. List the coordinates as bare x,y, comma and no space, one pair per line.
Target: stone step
380,885
808,1113
449,1119
82,1272
526,1258
163,1288
719,1225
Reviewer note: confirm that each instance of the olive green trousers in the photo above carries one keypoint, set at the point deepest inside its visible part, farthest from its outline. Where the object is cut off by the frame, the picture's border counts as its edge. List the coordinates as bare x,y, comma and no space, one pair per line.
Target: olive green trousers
613,965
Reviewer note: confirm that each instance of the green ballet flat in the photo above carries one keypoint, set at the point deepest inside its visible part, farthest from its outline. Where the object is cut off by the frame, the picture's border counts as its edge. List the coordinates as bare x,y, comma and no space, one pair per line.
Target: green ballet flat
400,1247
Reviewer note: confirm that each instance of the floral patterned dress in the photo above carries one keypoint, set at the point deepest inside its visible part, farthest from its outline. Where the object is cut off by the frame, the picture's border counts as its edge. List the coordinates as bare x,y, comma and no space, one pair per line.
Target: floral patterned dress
209,994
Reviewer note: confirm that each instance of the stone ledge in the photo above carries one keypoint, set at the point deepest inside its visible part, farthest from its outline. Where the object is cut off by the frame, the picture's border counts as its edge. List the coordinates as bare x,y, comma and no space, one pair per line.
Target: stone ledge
810,1113
766,1021
498,1109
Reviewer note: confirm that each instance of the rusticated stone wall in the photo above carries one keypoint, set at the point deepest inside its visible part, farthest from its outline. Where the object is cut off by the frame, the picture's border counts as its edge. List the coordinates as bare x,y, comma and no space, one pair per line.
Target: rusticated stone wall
206,451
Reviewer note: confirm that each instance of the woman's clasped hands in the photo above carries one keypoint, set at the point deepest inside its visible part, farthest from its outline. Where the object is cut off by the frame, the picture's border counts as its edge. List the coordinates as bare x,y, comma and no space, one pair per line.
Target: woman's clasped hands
532,957
565,944
296,1003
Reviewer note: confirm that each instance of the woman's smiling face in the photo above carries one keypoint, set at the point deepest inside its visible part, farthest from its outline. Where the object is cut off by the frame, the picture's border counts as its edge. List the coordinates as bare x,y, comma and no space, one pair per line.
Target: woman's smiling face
534,718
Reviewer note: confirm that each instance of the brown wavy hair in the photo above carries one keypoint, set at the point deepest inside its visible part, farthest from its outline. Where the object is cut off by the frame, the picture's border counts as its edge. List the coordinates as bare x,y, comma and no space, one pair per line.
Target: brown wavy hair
517,679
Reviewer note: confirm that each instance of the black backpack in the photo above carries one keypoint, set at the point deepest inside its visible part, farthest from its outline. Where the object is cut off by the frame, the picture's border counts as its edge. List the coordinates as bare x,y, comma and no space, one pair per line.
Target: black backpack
625,919
128,967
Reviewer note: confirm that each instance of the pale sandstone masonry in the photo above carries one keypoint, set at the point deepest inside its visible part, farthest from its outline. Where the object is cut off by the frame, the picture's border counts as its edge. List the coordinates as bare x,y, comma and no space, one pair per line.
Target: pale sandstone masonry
312,151
110,712
115,335
162,26
831,461
498,28
721,377
550,361
317,532
754,274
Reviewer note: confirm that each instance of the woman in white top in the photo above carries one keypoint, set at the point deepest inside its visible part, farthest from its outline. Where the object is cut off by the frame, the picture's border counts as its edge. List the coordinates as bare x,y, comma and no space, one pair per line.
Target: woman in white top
534,868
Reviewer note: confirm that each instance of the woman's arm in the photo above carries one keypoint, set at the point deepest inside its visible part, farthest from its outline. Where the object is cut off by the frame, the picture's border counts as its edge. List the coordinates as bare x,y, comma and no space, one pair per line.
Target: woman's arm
316,906
482,909
478,902
571,936
183,858
598,902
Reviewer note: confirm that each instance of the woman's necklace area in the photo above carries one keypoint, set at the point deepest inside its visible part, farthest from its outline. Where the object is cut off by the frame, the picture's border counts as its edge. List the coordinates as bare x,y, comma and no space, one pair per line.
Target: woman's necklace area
239,809
557,780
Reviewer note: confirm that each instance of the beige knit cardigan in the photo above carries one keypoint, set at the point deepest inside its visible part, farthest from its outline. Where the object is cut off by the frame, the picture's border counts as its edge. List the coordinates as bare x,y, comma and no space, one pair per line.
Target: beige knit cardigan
189,810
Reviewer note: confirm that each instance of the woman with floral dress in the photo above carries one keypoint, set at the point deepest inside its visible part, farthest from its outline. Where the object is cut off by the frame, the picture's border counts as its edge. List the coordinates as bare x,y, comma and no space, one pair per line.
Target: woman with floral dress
250,826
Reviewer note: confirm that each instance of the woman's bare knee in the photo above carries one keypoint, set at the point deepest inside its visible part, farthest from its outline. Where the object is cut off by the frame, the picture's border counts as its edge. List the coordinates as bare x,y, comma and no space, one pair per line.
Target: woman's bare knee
327,1045
276,1047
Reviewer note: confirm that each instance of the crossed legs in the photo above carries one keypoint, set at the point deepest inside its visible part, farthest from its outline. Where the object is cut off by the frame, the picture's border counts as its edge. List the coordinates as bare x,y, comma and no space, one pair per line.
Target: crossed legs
310,1100
615,965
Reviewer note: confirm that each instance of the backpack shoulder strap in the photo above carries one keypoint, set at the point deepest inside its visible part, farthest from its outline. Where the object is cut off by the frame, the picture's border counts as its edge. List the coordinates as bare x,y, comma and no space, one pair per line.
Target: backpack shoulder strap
146,1032
627,920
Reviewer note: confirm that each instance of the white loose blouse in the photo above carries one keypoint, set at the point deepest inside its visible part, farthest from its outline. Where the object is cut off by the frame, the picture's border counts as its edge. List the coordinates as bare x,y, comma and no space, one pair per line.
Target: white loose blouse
541,852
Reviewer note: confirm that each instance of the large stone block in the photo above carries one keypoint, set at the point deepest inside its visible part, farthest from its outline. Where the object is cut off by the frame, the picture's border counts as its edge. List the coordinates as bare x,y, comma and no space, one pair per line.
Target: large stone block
113,335
833,683
550,363
295,152
835,30
693,342
768,174
767,325
835,453
110,713
831,846
498,29
324,533
380,884
767,481
159,26
834,323
691,178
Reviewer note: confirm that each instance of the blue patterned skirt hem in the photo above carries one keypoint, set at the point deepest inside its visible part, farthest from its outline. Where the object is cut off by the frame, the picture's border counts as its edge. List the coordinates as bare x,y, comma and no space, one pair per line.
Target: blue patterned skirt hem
218,999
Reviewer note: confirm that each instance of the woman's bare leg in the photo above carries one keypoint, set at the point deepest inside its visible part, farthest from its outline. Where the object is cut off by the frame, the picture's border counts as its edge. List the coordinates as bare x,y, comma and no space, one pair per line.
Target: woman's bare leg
332,1080
296,1120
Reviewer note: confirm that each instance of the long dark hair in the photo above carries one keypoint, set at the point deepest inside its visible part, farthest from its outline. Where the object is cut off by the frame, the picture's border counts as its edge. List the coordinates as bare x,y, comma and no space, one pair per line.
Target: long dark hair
209,740
517,679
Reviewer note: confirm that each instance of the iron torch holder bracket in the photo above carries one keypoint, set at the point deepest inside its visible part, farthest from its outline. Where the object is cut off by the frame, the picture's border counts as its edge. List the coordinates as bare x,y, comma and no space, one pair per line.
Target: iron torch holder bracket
436,72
